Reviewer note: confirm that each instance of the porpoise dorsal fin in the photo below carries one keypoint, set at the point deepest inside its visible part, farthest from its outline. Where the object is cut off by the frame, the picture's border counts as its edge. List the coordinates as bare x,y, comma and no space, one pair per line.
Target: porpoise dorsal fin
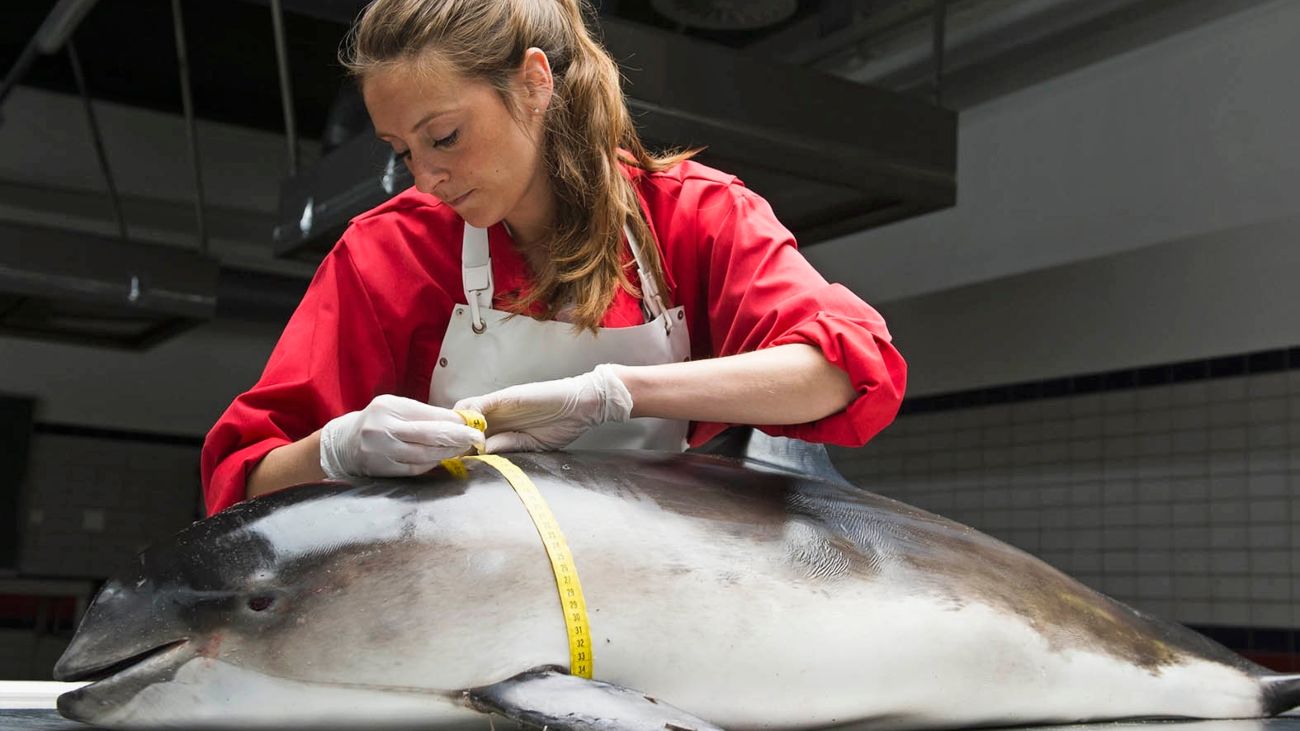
1281,693
550,698
764,451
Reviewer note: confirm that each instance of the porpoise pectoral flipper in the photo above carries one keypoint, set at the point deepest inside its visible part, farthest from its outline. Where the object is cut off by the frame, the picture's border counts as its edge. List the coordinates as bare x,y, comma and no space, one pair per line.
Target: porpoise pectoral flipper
547,697
1281,692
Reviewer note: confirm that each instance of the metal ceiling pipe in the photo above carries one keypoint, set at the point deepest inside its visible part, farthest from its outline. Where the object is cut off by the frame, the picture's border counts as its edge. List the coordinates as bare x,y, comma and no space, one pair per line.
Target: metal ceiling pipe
55,30
18,70
286,86
912,60
42,262
97,139
830,156
940,13
95,290
98,275
791,119
191,132
821,38
63,19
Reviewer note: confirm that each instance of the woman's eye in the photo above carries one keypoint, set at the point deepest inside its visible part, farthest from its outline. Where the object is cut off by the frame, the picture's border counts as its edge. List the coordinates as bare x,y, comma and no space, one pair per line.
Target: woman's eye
447,141
404,156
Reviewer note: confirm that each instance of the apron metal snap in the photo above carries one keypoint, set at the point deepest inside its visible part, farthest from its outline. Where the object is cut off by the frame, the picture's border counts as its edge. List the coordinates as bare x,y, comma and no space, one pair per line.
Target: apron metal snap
681,315
442,362
479,327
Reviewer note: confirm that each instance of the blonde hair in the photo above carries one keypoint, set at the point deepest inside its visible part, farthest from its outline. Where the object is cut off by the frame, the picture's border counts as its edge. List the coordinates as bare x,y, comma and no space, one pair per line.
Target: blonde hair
588,129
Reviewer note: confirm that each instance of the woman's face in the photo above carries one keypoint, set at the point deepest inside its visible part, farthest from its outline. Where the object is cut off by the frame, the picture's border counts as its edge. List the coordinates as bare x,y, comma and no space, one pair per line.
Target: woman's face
460,141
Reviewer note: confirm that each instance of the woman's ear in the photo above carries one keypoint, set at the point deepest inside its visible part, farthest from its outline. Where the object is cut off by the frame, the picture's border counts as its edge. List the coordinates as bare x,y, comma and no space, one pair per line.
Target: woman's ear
538,83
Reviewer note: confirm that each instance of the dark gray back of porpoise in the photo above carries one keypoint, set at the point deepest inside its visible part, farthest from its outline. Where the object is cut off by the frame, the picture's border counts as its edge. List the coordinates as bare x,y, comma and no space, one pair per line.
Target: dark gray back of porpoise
758,449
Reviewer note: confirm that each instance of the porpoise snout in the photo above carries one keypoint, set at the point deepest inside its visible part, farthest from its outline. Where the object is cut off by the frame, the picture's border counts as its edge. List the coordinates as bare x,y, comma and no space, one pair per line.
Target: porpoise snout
122,627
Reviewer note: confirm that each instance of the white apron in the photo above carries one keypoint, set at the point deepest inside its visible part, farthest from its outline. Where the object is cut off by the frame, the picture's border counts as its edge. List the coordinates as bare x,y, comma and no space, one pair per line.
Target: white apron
486,350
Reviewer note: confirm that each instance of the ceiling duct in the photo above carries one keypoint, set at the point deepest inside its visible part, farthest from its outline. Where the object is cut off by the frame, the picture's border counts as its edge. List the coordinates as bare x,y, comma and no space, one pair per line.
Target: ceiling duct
832,156
726,14
62,285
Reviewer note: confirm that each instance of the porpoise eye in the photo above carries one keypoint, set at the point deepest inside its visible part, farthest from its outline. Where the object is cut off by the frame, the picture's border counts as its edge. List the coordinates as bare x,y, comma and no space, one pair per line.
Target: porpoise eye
260,603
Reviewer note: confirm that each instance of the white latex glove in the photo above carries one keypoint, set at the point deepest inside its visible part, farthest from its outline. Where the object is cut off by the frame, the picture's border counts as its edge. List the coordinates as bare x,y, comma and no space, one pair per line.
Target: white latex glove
393,436
535,417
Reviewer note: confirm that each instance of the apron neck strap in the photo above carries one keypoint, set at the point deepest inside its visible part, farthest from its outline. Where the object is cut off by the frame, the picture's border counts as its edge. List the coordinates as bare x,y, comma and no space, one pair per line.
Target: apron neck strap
651,300
476,273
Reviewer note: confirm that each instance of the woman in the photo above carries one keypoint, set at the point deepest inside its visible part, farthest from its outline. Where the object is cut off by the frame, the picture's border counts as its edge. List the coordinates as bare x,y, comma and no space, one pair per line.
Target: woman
545,270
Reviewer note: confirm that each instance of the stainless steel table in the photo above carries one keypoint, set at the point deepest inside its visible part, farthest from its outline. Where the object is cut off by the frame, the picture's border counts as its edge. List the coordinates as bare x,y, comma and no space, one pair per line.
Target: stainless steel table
46,720
29,706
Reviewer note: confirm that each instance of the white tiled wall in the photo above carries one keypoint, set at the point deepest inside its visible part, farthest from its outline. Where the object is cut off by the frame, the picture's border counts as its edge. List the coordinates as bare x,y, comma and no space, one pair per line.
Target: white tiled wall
1182,500
90,504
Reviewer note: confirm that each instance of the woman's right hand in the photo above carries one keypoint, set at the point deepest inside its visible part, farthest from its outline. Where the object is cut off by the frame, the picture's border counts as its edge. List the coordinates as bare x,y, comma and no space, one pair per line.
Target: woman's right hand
394,436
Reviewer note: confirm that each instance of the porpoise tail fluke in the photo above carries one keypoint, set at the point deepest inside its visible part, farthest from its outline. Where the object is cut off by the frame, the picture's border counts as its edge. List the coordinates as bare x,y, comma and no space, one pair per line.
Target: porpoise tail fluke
1281,693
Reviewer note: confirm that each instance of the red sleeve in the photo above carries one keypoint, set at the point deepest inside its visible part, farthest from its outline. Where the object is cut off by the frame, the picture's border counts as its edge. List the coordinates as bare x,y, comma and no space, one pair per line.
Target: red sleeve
331,358
760,292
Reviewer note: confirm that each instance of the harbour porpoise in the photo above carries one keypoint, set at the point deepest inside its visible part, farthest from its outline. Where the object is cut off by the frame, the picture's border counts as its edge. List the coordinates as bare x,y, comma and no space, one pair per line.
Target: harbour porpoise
721,593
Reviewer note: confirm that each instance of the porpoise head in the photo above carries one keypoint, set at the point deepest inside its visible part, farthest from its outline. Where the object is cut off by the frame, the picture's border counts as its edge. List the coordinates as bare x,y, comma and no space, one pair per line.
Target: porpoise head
247,618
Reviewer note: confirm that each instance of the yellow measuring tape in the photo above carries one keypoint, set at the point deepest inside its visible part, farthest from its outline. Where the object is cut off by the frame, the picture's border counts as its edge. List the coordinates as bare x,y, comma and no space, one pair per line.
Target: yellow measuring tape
572,602
473,418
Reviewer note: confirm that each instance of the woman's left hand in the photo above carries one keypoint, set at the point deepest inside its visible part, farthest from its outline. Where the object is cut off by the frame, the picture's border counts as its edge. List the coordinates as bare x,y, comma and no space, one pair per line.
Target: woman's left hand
548,415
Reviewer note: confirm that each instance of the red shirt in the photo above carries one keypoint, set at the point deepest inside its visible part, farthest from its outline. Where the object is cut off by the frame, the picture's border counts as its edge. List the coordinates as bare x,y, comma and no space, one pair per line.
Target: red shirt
373,319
